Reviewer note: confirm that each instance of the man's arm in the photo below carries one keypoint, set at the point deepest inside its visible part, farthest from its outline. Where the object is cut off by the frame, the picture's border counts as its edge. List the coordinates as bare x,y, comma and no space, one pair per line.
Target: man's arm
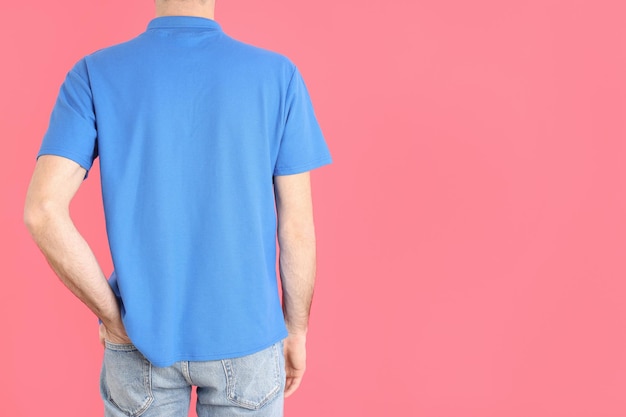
47,216
296,238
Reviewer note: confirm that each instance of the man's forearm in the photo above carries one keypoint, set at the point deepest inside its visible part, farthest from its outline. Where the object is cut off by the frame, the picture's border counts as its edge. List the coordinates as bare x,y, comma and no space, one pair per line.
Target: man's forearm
73,261
297,273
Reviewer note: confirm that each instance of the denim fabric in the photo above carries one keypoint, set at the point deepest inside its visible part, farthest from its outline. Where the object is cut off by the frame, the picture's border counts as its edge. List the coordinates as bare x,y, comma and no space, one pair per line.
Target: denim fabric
251,385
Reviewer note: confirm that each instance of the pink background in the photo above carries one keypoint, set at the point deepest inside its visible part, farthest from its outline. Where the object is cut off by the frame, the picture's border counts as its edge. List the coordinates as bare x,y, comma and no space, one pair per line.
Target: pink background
472,229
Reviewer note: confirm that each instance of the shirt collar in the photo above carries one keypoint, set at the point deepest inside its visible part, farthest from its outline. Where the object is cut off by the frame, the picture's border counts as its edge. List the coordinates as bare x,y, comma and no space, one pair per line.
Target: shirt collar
173,22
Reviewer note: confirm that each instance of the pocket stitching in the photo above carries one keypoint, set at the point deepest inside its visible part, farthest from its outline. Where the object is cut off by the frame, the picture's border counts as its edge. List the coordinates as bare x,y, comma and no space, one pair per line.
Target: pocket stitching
120,347
147,385
231,384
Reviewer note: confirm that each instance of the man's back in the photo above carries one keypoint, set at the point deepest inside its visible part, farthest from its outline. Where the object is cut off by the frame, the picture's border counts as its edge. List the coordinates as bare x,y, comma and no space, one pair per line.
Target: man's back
190,126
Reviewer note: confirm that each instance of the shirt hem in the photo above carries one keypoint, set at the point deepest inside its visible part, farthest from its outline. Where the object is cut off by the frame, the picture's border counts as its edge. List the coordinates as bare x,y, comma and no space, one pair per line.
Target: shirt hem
218,356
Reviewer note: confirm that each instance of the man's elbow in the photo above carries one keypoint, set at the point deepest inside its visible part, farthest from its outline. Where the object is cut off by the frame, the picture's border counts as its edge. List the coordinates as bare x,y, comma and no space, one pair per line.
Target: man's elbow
38,214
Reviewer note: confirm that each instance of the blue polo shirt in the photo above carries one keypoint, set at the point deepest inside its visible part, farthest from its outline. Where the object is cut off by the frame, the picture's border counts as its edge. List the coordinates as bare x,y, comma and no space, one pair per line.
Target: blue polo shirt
190,126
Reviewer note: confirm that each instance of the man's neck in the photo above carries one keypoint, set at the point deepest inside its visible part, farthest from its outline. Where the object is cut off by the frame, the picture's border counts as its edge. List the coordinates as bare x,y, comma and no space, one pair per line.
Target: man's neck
183,8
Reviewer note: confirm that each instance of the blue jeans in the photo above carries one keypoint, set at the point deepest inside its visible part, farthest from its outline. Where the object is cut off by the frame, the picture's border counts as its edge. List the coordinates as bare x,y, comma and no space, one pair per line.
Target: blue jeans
251,385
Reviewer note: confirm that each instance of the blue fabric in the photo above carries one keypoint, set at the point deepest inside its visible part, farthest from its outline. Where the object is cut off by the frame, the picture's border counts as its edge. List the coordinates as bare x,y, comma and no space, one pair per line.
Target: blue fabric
190,126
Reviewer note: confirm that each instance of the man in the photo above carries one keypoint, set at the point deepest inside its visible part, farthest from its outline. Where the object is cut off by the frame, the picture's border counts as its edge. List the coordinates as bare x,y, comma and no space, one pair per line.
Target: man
205,146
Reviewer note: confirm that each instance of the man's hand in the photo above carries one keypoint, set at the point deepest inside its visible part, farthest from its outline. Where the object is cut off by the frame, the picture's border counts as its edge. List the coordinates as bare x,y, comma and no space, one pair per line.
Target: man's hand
118,335
295,362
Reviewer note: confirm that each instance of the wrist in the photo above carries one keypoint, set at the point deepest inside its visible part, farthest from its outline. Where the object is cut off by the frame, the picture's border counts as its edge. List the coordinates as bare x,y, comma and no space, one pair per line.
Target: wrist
114,323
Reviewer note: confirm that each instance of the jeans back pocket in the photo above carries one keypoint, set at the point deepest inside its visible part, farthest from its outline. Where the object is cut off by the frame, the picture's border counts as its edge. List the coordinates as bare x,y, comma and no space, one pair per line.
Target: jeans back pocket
254,380
128,378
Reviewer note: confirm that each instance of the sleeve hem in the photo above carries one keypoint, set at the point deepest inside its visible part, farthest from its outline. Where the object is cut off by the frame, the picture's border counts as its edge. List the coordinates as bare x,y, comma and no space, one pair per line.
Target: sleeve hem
296,169
69,155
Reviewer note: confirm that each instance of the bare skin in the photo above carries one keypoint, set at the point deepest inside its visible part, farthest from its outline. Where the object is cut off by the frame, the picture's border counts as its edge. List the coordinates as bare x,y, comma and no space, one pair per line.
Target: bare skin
47,216
296,238
200,8
56,180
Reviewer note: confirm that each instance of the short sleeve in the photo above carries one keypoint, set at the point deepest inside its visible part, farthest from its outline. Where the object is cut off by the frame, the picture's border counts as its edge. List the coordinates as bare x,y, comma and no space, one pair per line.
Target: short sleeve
302,146
72,129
